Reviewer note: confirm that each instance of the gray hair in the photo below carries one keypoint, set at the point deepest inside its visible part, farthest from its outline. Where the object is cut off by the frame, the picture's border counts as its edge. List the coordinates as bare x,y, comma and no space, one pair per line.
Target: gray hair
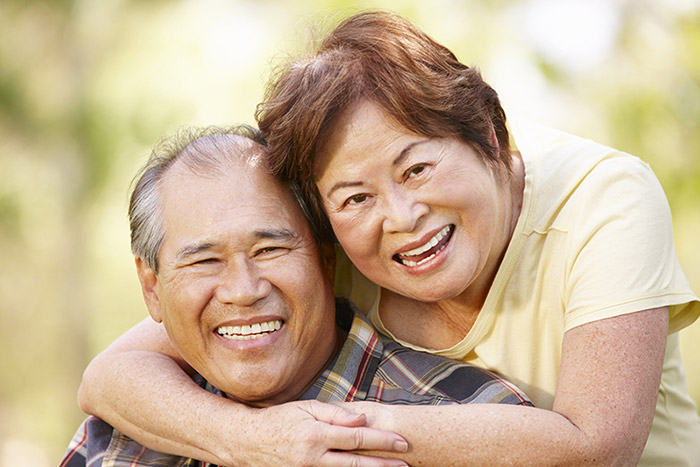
194,147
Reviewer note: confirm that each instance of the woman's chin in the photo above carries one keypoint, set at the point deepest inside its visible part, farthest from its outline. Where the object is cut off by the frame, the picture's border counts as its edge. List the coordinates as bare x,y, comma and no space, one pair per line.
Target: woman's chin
426,291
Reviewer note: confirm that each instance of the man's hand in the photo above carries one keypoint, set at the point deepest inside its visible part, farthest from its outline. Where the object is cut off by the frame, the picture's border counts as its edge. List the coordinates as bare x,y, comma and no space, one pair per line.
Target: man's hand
313,433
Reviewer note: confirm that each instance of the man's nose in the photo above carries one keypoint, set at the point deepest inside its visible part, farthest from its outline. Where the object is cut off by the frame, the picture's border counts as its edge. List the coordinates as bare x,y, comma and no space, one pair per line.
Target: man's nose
402,210
241,284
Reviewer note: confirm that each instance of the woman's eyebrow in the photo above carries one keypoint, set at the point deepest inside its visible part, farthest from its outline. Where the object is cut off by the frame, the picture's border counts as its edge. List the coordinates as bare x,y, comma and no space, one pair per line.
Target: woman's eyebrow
405,151
340,185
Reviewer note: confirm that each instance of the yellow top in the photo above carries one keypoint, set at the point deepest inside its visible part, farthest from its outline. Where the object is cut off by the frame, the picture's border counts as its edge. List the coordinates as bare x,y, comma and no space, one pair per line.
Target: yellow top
594,240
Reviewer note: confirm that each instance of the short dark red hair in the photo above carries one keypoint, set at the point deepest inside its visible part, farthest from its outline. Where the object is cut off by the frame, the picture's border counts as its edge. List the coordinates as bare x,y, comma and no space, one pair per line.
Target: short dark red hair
382,58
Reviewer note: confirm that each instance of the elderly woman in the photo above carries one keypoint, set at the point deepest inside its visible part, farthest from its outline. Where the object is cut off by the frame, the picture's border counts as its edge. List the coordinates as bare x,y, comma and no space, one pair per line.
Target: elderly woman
541,256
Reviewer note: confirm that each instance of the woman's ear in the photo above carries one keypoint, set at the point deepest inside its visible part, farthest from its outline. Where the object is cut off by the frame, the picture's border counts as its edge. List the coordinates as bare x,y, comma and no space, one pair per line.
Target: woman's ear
327,251
494,138
149,288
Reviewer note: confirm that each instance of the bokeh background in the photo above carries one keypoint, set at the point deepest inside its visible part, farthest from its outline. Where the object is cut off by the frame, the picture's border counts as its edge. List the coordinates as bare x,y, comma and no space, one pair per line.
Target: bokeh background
86,87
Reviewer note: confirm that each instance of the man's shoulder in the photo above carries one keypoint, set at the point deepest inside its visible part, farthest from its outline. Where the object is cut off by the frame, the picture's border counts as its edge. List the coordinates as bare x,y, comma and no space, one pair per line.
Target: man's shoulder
440,380
382,370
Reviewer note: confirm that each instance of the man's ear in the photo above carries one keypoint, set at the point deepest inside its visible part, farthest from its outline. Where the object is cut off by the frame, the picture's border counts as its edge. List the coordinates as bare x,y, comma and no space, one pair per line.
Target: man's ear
327,252
149,288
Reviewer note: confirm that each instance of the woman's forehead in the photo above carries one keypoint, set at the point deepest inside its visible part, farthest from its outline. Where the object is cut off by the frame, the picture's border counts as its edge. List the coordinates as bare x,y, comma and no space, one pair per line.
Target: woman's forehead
361,131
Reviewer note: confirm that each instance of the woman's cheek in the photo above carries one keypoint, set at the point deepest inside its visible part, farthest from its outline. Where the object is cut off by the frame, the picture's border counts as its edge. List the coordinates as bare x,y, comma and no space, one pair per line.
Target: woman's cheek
353,233
344,231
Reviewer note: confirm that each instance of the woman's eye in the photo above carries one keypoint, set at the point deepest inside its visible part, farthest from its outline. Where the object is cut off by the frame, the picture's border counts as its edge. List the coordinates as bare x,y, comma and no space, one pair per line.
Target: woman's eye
205,261
357,199
415,170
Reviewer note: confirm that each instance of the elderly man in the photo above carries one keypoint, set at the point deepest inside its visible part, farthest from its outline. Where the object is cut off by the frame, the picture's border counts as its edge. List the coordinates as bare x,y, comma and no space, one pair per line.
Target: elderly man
228,263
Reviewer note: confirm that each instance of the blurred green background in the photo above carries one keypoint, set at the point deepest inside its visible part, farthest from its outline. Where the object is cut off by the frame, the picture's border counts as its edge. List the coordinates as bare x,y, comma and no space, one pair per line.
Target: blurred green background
86,87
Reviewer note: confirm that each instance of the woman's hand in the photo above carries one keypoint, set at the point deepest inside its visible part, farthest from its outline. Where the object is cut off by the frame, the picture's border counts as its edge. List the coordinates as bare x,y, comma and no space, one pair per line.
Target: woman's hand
314,433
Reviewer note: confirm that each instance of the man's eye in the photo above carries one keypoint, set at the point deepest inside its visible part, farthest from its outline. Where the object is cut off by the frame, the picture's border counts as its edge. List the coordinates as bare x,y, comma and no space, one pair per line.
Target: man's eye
205,261
269,250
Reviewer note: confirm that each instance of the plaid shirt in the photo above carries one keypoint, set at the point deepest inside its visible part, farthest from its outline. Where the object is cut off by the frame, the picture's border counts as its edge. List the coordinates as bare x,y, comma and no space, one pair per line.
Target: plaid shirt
369,367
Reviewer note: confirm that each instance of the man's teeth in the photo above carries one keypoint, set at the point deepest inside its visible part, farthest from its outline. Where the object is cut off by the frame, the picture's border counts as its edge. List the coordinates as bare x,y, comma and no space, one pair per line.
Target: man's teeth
247,331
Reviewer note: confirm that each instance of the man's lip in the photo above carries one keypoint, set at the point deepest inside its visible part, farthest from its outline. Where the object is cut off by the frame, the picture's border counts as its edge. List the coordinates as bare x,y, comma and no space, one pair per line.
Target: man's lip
250,320
257,328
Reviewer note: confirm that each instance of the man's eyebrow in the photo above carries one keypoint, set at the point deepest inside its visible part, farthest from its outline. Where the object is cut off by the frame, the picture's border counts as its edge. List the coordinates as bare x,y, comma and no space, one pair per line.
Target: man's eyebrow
400,158
276,233
190,250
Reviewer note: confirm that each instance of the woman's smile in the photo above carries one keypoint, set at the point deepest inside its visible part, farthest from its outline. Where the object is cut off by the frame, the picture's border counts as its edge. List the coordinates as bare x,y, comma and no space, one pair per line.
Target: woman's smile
426,252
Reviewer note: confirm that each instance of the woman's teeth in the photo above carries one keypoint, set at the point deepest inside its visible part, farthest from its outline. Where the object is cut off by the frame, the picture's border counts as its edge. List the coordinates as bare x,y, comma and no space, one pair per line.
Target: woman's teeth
249,331
429,244
408,262
432,243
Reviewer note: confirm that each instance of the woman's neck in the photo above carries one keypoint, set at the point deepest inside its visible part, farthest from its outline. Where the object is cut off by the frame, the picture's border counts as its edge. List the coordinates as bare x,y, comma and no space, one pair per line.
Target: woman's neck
431,325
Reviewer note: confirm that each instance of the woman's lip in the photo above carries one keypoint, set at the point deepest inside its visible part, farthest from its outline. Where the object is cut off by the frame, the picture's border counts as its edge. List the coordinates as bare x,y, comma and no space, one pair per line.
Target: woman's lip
426,255
428,242
411,247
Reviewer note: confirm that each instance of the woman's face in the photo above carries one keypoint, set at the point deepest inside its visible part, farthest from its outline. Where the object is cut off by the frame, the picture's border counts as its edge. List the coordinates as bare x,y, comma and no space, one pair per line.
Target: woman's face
420,216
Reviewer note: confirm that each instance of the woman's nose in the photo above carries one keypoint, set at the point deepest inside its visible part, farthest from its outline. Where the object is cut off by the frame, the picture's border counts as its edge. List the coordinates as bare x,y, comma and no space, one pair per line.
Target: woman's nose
241,284
402,211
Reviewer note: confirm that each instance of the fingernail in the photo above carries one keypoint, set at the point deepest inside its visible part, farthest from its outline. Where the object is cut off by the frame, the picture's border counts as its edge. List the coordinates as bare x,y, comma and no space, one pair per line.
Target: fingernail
400,446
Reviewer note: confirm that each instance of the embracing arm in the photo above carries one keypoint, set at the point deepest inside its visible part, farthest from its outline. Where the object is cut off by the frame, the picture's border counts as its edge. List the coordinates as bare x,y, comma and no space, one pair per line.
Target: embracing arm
603,407
138,385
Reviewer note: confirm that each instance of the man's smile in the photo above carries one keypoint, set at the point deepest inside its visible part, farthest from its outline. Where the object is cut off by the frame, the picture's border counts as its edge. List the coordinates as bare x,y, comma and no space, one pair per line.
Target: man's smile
249,331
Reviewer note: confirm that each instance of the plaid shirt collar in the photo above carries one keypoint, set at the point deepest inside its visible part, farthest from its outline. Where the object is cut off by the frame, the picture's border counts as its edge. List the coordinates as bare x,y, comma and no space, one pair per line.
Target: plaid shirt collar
349,377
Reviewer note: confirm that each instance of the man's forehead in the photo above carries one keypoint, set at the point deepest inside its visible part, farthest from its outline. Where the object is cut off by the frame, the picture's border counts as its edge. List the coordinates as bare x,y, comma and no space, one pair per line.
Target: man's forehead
239,195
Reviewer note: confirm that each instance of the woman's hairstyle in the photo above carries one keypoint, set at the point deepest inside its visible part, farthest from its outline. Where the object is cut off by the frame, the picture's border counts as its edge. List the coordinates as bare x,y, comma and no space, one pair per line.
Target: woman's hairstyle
382,58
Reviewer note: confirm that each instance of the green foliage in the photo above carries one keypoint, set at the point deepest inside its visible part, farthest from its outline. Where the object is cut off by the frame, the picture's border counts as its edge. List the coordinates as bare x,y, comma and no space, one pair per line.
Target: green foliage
87,87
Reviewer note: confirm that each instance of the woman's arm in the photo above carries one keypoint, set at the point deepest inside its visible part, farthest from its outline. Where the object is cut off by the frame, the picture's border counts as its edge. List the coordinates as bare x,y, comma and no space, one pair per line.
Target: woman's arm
138,386
603,408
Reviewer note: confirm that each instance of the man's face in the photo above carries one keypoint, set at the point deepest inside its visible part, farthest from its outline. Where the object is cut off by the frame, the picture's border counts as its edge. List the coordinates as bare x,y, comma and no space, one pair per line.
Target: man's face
241,290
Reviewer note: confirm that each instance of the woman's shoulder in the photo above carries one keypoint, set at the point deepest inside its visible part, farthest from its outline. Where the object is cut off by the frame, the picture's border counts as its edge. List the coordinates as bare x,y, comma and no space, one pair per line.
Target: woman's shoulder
561,168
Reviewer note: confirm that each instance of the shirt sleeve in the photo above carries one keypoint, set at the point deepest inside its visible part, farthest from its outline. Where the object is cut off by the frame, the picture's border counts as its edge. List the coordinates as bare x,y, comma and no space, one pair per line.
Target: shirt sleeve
621,254
90,442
